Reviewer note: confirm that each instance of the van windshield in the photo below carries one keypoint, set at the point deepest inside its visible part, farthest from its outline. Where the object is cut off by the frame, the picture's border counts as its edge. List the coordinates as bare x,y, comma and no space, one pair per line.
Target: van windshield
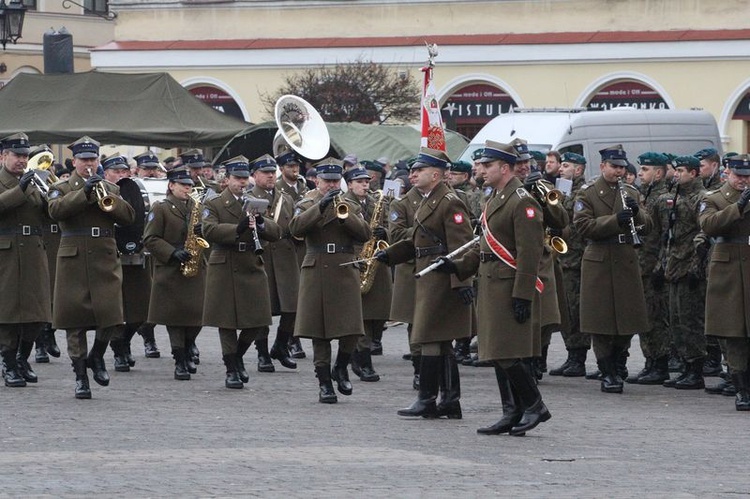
466,155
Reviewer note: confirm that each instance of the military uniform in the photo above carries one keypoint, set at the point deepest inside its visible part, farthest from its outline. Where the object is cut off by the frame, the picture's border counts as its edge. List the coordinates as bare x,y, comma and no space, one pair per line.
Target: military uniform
166,231
441,314
23,267
88,285
613,307
330,303
682,272
236,282
727,308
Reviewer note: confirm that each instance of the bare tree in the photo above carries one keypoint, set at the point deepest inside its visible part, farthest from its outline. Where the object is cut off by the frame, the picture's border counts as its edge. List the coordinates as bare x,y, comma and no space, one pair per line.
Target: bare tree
361,91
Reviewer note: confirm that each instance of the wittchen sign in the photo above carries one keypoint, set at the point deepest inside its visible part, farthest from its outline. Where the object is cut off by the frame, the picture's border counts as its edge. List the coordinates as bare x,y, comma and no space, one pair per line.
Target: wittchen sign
218,99
475,104
627,93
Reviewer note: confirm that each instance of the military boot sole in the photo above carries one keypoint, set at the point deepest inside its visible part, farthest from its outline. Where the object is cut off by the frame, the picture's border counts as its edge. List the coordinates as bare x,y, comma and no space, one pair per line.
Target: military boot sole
328,399
285,361
594,375
266,368
40,358
612,388
83,394
235,385
16,383
691,386
729,391
502,426
122,368
657,380
182,376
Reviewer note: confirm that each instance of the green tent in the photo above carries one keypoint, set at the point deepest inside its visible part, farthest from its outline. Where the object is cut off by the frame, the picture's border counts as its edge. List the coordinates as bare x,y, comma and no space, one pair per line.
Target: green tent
368,142
127,109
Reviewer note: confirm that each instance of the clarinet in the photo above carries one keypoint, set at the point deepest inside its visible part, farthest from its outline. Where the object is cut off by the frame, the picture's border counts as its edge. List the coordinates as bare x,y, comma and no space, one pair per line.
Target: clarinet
256,238
633,232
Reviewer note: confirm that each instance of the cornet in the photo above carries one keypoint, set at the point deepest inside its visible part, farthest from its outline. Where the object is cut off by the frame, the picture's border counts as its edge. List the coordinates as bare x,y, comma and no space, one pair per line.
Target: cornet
105,200
557,243
545,195
340,208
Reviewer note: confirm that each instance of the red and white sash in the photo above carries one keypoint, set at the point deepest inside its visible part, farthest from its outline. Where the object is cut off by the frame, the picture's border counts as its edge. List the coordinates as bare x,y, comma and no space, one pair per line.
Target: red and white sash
501,251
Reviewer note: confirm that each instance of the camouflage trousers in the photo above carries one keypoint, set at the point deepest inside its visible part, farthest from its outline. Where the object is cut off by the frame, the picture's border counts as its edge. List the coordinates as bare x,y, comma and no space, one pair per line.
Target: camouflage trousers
686,317
655,343
572,335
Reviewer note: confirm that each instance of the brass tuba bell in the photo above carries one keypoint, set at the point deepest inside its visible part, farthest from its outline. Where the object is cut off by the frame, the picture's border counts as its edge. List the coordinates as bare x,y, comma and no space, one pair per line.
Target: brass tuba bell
301,128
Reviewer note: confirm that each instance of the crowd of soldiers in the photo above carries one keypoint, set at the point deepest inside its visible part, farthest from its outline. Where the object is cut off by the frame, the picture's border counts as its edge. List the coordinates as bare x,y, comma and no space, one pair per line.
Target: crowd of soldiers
507,251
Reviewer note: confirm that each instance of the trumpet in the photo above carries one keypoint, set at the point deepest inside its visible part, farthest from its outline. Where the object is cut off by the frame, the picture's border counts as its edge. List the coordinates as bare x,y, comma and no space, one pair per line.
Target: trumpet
557,243
340,207
105,200
546,195
42,161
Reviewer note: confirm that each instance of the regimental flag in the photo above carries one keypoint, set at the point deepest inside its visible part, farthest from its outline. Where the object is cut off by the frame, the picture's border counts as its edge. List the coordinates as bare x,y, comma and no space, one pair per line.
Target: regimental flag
433,133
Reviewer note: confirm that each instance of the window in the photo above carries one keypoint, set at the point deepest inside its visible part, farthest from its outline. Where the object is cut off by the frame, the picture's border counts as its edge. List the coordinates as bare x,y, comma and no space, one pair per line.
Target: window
99,6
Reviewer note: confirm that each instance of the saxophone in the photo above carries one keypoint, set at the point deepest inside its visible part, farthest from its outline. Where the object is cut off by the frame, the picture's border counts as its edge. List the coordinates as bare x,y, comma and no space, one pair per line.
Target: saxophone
369,267
193,244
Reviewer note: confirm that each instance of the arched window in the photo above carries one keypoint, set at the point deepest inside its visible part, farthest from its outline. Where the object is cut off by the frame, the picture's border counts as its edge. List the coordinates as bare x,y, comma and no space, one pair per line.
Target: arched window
470,107
630,93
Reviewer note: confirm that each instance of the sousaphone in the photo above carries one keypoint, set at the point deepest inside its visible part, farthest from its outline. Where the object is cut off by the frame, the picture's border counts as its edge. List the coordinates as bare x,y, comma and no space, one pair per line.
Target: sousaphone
301,128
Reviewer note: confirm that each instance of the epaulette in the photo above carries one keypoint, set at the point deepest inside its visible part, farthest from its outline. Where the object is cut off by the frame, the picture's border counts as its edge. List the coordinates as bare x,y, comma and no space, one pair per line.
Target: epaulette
631,187
521,192
710,193
452,196
60,182
587,185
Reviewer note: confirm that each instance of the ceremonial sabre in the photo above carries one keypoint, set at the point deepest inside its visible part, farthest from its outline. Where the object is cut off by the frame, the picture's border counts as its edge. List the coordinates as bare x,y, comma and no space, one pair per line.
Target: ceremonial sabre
449,256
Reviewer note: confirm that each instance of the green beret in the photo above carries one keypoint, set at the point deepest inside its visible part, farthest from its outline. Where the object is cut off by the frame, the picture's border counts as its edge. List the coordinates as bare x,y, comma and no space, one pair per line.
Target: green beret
690,162
571,157
538,156
704,153
670,157
653,159
477,154
373,166
461,167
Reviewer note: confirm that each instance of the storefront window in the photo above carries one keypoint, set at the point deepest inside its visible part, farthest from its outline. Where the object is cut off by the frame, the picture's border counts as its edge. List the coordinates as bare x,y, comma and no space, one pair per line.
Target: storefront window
627,93
471,107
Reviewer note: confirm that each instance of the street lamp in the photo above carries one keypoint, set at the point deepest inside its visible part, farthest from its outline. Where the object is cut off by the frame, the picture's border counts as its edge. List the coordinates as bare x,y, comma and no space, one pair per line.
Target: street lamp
11,21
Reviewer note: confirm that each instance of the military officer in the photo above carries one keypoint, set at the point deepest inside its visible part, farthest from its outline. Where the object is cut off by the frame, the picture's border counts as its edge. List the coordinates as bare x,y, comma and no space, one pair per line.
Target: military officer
290,182
236,283
330,306
195,162
401,227
509,306
166,233
23,265
46,344
576,343
677,218
458,178
724,215
88,286
442,309
148,165
655,343
136,273
280,263
377,300
613,307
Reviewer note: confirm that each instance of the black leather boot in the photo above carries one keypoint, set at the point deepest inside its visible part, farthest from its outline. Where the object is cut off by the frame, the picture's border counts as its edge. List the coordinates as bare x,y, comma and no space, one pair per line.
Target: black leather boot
242,348
355,363
10,370
512,412
121,359
643,372
659,372
96,363
621,362
416,361
542,361
326,395
40,354
712,364
462,349
558,371
366,372
149,341
83,390
280,350
742,383
429,382
670,383
265,364
295,348
194,354
676,365
450,390
611,380
597,374
577,366
721,387
49,340
129,333
524,387
180,366
232,380
340,374
694,379
22,360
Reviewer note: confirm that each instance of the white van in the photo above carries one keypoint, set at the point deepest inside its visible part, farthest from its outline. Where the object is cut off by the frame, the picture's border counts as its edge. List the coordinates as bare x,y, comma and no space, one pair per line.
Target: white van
586,132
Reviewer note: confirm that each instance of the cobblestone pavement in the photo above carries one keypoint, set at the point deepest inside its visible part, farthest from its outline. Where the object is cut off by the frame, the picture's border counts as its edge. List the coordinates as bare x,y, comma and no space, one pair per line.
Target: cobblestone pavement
147,435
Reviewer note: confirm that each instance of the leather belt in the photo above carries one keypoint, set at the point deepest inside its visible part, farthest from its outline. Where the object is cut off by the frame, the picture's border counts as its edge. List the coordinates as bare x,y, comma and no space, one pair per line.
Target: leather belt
240,247
618,239
429,250
733,240
488,256
89,231
329,248
22,230
51,228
